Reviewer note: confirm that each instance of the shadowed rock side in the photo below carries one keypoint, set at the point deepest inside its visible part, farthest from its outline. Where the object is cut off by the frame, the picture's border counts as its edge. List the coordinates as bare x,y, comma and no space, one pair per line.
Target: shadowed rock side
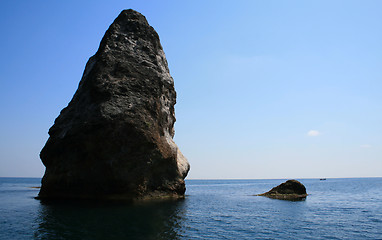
290,190
115,138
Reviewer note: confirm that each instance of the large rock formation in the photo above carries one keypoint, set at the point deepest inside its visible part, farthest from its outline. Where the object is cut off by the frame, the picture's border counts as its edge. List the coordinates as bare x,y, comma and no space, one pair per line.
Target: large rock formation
115,138
290,190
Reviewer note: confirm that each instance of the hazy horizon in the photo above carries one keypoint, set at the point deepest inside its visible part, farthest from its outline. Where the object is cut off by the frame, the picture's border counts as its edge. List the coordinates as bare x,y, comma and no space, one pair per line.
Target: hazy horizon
265,89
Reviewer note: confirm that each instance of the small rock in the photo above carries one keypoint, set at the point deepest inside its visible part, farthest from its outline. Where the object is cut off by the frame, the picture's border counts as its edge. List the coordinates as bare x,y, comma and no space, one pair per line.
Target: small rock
291,190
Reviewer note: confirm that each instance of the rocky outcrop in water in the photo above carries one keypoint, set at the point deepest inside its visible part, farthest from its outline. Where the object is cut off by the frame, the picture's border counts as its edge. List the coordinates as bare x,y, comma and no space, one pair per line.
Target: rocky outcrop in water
114,140
289,190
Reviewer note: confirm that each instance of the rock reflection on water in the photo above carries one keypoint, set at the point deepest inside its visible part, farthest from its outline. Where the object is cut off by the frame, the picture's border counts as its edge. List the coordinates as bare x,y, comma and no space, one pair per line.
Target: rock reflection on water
159,220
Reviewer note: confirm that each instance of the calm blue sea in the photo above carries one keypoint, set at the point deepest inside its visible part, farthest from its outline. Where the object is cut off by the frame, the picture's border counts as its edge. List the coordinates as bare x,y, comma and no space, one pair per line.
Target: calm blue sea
213,209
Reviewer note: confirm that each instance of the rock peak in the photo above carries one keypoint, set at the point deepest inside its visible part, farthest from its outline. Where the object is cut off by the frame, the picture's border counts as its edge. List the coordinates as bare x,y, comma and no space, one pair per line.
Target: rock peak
131,14
130,21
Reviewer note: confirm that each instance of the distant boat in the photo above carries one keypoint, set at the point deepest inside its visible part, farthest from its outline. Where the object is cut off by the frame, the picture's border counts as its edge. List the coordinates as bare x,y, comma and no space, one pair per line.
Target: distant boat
322,179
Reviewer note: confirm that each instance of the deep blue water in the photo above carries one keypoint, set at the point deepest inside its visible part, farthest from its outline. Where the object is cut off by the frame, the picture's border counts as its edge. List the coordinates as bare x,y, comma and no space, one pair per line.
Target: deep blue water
213,209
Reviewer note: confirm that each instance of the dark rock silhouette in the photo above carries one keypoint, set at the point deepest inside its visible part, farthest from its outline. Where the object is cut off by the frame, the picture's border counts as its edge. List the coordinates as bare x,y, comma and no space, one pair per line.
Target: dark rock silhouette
114,140
289,190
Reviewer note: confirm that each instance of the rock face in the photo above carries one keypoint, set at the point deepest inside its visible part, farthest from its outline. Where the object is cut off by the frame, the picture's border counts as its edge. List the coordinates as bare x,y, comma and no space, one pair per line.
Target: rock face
290,190
114,140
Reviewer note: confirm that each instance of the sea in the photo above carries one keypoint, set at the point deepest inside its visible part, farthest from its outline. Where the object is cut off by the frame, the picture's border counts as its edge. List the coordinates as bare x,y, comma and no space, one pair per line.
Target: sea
347,208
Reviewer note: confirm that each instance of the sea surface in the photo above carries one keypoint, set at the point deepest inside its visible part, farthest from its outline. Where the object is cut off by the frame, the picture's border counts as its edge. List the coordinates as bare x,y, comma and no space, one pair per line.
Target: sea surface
213,209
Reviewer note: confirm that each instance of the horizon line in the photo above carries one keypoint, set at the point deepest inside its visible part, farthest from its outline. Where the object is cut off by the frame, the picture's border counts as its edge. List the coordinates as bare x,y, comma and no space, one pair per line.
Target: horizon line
249,178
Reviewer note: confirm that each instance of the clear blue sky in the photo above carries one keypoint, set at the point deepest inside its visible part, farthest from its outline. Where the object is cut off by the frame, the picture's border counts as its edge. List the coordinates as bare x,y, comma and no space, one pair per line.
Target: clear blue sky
266,89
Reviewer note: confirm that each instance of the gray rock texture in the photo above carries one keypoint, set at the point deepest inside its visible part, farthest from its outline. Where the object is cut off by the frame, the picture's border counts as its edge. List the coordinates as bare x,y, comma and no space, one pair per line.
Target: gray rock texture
114,140
290,190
